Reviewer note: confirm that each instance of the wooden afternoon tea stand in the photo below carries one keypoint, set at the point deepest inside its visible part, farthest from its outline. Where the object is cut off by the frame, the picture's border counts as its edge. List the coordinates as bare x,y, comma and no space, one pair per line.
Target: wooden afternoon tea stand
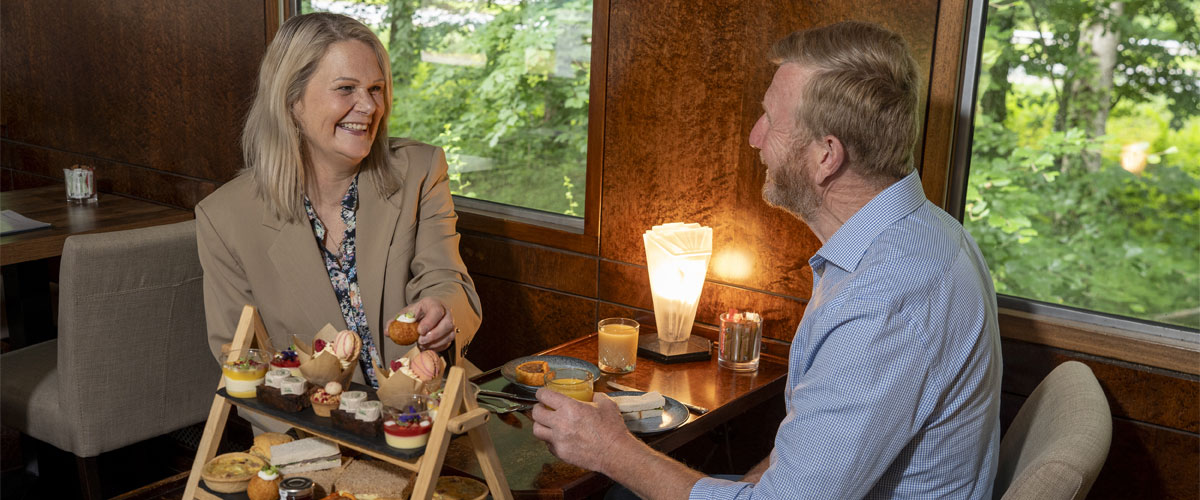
456,415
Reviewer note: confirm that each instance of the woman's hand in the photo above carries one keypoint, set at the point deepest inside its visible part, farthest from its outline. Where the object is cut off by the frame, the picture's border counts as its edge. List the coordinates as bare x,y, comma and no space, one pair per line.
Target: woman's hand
435,324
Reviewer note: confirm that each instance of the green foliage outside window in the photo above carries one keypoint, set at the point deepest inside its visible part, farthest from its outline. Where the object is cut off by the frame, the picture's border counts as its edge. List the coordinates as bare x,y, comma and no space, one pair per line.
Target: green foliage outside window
502,86
1084,185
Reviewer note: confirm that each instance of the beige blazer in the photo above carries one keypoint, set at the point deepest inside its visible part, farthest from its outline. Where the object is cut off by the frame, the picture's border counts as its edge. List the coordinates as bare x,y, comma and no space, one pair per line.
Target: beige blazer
406,250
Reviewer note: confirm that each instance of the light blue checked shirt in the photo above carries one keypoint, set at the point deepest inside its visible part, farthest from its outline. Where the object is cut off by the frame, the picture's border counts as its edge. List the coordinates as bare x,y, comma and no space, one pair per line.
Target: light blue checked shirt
894,373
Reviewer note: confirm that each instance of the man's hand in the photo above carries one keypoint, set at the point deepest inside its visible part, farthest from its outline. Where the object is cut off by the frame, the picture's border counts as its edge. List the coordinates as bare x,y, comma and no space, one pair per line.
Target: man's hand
583,434
436,324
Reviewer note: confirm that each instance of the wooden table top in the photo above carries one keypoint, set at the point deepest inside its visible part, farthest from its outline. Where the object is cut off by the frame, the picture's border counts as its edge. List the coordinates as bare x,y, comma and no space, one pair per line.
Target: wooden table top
533,472
48,204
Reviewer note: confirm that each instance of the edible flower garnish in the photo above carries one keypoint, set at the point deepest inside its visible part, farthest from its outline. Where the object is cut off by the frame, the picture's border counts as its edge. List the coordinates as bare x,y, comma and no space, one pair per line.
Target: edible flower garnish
245,363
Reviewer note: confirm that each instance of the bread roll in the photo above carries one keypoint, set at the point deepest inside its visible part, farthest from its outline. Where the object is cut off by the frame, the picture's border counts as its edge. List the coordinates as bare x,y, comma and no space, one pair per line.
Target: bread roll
263,443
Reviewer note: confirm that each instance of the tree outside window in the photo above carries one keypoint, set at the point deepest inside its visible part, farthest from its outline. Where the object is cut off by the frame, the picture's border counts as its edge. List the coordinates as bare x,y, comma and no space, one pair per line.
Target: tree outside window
501,85
1084,184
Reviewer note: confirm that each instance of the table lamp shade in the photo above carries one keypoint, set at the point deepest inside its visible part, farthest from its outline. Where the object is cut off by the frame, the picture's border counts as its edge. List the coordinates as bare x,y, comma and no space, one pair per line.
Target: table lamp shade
677,256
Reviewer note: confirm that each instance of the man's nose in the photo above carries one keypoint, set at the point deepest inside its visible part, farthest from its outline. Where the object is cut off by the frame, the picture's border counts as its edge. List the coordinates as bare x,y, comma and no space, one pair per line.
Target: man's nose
756,133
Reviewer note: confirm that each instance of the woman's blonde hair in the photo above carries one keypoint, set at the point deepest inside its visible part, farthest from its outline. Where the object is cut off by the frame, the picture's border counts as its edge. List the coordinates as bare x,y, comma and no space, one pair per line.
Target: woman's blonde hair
863,90
272,145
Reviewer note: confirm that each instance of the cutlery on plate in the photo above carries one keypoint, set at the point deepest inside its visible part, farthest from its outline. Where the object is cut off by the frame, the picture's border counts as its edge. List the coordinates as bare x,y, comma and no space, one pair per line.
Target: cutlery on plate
698,410
508,395
501,406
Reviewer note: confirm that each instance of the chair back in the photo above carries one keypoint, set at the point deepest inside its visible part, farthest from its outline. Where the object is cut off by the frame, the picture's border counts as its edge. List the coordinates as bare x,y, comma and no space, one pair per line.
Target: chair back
133,357
1058,442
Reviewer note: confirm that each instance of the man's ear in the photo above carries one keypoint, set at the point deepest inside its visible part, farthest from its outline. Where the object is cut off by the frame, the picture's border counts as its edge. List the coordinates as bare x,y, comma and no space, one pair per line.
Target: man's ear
831,158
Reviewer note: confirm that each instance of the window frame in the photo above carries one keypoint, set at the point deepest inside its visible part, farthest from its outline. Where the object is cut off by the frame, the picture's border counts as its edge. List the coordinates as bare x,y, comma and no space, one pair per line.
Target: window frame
945,170
527,224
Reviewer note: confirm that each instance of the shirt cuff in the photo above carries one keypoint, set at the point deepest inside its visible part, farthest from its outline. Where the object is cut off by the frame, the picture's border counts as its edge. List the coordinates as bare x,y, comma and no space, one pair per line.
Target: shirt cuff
711,488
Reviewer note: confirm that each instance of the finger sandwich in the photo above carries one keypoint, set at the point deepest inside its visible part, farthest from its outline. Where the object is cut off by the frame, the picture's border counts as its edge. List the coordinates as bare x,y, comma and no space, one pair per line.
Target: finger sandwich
305,455
643,406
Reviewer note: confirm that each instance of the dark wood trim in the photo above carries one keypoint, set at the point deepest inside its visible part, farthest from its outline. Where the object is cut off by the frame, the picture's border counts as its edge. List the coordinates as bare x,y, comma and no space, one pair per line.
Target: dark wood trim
1124,345
942,104
274,11
527,232
596,118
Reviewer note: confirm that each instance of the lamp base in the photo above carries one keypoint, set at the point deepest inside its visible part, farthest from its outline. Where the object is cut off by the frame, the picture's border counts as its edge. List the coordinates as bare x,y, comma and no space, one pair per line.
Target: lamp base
693,349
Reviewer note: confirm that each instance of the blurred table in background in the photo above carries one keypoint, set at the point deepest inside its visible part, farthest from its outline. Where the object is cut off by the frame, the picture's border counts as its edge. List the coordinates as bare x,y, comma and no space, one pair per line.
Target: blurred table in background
23,255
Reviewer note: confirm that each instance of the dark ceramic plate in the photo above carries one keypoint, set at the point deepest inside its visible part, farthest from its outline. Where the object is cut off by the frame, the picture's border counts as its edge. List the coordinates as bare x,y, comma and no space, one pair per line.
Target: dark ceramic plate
673,415
555,362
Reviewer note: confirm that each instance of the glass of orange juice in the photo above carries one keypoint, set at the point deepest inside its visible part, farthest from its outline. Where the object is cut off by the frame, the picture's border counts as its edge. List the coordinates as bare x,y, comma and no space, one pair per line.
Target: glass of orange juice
573,382
618,345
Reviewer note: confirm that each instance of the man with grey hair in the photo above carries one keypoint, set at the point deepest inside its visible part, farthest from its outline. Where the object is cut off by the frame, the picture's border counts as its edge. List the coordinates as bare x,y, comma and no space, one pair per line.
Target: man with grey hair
894,373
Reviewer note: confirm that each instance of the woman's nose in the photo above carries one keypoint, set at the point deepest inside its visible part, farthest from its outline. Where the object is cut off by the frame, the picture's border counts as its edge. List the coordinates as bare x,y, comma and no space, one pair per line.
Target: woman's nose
366,102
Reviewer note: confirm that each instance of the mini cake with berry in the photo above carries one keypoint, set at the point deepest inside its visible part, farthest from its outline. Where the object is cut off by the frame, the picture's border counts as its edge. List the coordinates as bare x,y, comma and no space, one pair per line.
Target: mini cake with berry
325,400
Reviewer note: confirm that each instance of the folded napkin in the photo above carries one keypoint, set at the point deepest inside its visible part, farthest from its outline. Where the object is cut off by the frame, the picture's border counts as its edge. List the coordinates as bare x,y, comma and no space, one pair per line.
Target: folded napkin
12,222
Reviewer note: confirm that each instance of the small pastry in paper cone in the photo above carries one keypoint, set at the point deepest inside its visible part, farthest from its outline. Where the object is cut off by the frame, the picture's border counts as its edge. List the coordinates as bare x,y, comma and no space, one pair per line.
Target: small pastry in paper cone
394,385
324,367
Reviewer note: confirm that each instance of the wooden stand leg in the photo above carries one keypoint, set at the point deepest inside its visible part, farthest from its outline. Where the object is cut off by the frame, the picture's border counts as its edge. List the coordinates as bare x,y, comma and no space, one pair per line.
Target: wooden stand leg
250,327
454,403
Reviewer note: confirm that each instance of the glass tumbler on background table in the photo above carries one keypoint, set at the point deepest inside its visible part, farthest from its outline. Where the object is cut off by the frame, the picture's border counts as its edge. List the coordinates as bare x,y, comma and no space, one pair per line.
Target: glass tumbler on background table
618,338
741,340
80,181
575,383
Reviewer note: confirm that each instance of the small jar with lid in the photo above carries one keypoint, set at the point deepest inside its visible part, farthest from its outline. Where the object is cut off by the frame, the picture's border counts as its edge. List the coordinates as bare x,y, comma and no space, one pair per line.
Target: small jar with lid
296,488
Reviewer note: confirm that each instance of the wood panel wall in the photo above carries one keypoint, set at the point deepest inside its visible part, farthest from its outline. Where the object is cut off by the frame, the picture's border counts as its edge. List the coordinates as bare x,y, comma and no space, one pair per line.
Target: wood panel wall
151,93
154,94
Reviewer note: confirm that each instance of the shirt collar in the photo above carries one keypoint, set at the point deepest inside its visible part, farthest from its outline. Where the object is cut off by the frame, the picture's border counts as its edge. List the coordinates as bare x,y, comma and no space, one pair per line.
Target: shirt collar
848,245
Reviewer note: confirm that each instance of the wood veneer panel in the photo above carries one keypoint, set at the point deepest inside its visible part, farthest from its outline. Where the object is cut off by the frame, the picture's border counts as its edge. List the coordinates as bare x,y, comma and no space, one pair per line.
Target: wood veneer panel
111,177
683,94
16,179
1139,393
1145,461
531,264
519,320
630,285
158,84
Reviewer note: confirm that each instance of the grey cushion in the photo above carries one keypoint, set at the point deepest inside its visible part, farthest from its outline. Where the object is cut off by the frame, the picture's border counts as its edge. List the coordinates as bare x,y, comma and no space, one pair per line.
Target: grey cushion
131,360
1058,442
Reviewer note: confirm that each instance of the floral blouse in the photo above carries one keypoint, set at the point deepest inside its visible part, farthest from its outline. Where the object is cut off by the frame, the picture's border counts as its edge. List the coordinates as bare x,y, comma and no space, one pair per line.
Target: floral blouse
343,275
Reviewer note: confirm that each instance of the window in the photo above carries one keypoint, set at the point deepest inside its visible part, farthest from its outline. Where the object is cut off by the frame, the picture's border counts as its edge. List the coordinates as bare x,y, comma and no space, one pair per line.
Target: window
1084,176
501,85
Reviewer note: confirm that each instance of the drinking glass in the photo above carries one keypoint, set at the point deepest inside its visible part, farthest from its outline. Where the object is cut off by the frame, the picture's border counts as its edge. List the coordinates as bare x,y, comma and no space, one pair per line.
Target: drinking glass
244,371
80,181
741,340
573,382
618,345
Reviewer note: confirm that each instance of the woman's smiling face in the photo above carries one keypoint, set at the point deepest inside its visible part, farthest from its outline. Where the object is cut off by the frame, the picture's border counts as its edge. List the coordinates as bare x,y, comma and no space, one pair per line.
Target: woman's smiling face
340,111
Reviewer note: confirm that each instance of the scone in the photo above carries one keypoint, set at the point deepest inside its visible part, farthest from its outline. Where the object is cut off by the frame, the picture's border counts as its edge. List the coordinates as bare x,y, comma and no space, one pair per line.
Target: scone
403,329
532,373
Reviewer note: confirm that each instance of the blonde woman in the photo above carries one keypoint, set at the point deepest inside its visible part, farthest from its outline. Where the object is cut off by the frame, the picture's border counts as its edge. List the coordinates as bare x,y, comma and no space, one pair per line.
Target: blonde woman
331,221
